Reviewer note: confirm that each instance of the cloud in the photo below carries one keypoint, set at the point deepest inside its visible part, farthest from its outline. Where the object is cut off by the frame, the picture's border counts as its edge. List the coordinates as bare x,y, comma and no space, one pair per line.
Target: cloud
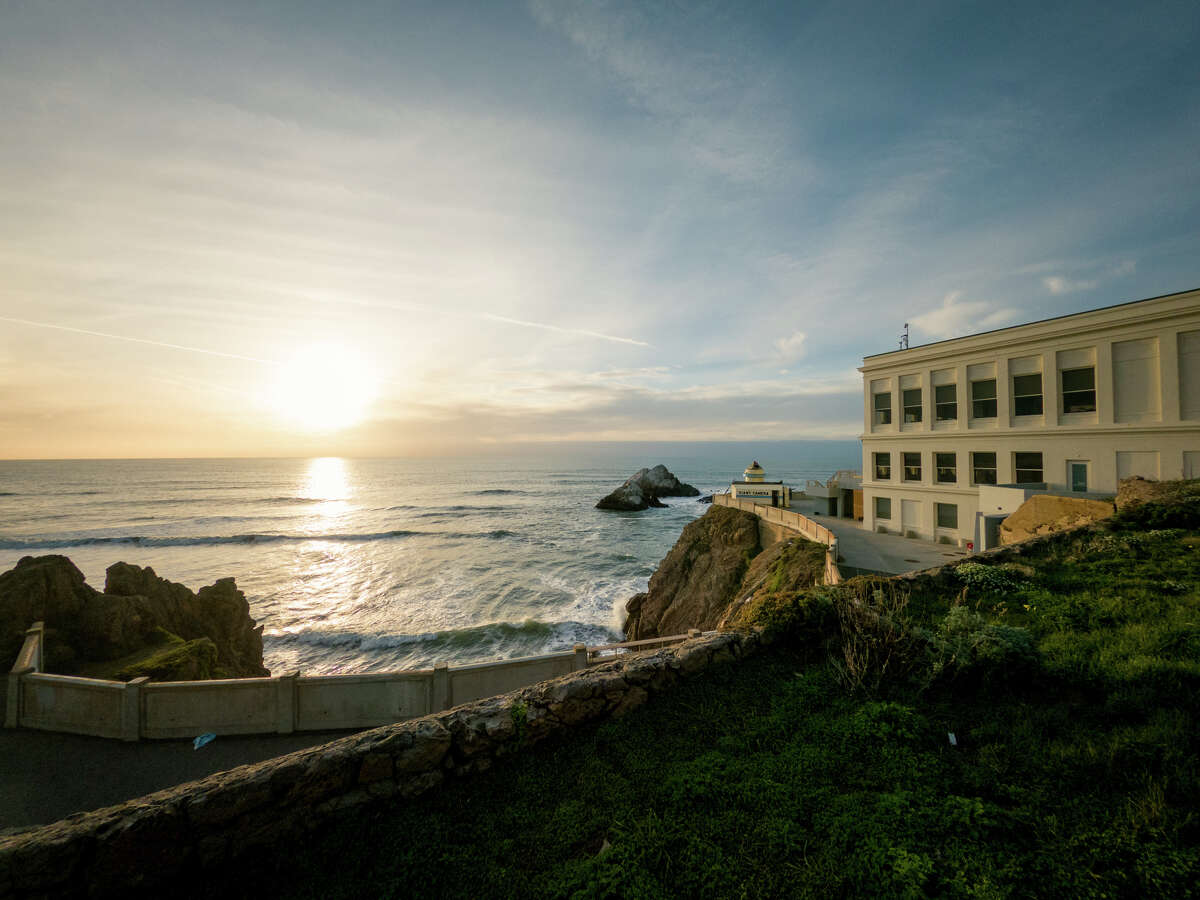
955,317
789,349
1059,284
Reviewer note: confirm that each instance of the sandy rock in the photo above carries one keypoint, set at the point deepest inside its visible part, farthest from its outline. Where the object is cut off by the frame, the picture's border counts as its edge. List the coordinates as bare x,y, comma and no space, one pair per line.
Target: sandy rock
1047,514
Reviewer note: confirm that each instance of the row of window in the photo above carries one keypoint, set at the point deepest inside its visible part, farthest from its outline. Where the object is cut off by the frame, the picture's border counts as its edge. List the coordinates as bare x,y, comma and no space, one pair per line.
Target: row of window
1027,467
946,513
1078,395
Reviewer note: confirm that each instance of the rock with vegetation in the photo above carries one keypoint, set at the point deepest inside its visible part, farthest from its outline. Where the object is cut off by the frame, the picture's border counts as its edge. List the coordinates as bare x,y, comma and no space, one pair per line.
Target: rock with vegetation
138,617
643,489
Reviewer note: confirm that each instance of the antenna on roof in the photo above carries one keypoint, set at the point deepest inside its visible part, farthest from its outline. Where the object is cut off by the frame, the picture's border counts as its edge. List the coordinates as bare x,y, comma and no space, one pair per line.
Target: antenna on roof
904,338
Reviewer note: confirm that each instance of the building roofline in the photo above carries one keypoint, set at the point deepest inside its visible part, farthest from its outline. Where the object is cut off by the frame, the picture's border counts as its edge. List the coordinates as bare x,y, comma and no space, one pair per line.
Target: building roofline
1083,312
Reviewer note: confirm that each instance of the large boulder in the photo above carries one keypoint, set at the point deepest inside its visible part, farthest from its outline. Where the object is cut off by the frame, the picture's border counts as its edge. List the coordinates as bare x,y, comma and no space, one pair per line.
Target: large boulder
1048,513
695,584
85,626
643,489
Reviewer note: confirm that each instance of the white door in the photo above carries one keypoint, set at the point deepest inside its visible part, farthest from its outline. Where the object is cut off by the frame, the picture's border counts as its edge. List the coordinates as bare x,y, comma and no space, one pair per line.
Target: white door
910,515
1137,462
1191,463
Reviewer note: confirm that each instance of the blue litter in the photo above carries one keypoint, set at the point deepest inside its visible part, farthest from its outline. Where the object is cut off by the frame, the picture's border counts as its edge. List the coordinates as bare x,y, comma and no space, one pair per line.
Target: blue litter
202,740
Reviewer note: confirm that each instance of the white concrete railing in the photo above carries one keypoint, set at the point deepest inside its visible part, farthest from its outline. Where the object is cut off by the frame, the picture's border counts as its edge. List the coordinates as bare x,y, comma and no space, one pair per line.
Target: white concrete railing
795,522
280,704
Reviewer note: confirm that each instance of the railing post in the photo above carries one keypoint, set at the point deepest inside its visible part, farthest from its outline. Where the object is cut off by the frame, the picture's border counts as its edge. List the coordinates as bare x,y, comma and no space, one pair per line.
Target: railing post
12,712
440,698
38,629
581,657
285,703
131,709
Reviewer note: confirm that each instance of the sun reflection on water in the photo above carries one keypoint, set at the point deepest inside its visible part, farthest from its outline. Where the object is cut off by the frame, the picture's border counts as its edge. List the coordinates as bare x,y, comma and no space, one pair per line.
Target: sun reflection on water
327,481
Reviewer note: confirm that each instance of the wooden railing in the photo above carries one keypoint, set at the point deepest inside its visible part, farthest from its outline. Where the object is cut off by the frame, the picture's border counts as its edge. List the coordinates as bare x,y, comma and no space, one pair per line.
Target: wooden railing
793,521
280,704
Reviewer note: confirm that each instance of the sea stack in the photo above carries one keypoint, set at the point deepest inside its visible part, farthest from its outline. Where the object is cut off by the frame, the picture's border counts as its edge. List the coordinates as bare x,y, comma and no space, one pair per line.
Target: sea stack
643,489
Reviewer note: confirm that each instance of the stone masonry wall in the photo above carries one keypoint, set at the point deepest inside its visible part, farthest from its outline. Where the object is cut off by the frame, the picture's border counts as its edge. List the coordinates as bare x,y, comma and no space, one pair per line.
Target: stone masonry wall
149,844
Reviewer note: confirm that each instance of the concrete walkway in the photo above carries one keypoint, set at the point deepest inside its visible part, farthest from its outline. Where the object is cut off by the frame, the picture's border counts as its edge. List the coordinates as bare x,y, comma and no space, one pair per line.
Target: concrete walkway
46,776
887,553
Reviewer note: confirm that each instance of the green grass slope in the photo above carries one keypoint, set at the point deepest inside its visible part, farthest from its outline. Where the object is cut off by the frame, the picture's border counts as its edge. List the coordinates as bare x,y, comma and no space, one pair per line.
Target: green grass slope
824,767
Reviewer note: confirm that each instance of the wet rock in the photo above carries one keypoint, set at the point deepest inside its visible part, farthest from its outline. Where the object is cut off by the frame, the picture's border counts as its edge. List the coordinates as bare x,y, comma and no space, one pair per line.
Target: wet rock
643,489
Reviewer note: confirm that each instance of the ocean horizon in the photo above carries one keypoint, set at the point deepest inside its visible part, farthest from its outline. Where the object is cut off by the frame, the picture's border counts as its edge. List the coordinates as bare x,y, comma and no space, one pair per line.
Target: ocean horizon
371,564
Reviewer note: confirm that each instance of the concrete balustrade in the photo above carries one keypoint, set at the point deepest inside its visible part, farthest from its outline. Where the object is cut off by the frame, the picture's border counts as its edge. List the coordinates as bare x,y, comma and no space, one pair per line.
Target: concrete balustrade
793,521
282,704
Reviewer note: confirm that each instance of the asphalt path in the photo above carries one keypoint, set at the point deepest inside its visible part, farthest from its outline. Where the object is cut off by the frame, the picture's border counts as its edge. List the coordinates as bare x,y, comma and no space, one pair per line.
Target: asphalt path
46,776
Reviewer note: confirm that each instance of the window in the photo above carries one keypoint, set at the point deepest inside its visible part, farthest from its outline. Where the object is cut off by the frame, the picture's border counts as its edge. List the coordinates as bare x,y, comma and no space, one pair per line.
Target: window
912,466
883,507
912,405
947,515
945,399
883,467
983,468
983,399
1079,390
1028,467
1027,395
883,409
1078,476
945,468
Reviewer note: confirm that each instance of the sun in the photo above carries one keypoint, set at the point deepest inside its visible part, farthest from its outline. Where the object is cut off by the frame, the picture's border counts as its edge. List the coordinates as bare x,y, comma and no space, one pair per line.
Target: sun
322,387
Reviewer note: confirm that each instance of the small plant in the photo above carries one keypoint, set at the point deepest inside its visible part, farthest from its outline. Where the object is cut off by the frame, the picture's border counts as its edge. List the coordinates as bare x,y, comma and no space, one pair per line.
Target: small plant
520,719
966,644
876,637
993,579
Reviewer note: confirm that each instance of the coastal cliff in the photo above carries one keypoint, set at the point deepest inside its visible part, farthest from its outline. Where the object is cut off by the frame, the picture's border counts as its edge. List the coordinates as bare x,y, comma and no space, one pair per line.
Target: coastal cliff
717,564
140,625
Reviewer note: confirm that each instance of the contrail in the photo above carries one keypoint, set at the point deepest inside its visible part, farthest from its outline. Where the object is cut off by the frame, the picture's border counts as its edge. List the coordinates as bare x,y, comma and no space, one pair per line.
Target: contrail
579,331
136,340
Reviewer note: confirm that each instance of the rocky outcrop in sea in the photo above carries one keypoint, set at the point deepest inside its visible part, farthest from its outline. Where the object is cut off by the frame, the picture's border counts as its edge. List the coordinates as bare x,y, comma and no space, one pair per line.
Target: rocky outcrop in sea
643,489
167,631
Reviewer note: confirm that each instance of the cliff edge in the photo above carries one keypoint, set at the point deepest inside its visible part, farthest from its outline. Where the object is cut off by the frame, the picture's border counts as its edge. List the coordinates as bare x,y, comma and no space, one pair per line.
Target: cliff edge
142,623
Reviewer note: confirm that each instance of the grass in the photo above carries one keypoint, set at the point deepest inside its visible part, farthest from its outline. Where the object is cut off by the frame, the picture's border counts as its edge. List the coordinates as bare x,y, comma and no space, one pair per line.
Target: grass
1071,683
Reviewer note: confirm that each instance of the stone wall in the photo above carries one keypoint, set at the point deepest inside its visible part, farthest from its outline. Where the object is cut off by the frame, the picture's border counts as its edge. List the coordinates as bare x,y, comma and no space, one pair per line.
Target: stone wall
149,844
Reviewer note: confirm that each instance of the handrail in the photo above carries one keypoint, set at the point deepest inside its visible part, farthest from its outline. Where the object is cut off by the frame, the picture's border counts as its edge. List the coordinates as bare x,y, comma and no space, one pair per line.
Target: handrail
796,522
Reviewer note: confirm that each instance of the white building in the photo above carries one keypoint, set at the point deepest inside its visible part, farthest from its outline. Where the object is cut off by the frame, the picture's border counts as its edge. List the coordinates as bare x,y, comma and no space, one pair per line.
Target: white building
755,488
958,433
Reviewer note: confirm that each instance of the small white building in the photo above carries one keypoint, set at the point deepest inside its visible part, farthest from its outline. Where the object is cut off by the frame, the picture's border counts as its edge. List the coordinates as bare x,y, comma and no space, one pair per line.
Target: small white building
755,488
959,432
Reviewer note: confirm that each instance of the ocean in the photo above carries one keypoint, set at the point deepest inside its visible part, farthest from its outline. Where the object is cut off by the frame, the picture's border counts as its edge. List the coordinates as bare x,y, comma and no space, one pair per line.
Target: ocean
365,565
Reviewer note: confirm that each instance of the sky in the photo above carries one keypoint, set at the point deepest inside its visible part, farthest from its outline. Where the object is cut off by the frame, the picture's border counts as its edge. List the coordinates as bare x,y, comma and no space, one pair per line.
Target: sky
390,228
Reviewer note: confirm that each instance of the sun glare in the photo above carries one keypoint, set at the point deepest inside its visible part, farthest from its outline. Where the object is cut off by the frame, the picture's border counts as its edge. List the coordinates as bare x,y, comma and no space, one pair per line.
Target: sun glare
323,387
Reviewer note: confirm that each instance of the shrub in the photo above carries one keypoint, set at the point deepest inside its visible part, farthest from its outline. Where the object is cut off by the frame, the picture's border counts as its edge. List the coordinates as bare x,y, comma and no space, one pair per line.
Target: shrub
992,579
877,641
967,646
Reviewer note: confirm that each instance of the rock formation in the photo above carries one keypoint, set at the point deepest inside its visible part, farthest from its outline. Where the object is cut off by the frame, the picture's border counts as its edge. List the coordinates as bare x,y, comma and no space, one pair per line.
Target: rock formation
644,488
694,585
138,611
1047,513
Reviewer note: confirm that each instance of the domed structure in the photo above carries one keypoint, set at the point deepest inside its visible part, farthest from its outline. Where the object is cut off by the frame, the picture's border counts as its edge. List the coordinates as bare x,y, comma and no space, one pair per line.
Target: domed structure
754,472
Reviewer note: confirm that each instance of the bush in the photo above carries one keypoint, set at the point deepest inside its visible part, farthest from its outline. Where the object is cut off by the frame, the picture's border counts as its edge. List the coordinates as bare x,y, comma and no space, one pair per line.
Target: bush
877,641
966,646
1000,579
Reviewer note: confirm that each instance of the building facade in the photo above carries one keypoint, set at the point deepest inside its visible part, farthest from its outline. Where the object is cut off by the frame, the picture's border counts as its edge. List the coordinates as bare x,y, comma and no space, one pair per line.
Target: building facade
958,433
755,488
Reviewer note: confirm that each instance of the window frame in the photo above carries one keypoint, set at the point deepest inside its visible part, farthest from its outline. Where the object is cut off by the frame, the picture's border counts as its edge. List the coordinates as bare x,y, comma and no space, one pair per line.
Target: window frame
905,406
976,468
975,400
938,468
876,465
1028,400
878,514
940,406
905,466
1018,469
937,515
1077,391
877,411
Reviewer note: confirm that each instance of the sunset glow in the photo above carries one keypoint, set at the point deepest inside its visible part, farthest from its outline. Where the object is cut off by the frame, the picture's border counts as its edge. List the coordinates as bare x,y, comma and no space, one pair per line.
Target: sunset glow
322,387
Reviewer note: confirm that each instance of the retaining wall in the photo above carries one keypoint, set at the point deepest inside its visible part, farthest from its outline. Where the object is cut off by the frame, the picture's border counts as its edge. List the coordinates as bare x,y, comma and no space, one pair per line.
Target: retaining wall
156,843
281,704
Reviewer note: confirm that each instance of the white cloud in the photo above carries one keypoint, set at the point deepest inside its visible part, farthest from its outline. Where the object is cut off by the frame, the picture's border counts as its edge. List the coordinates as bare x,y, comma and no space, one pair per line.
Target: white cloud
790,349
1059,284
956,317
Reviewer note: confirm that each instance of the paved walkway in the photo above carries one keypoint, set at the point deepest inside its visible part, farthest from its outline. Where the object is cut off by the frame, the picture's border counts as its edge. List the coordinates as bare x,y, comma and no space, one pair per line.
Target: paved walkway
887,553
46,776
